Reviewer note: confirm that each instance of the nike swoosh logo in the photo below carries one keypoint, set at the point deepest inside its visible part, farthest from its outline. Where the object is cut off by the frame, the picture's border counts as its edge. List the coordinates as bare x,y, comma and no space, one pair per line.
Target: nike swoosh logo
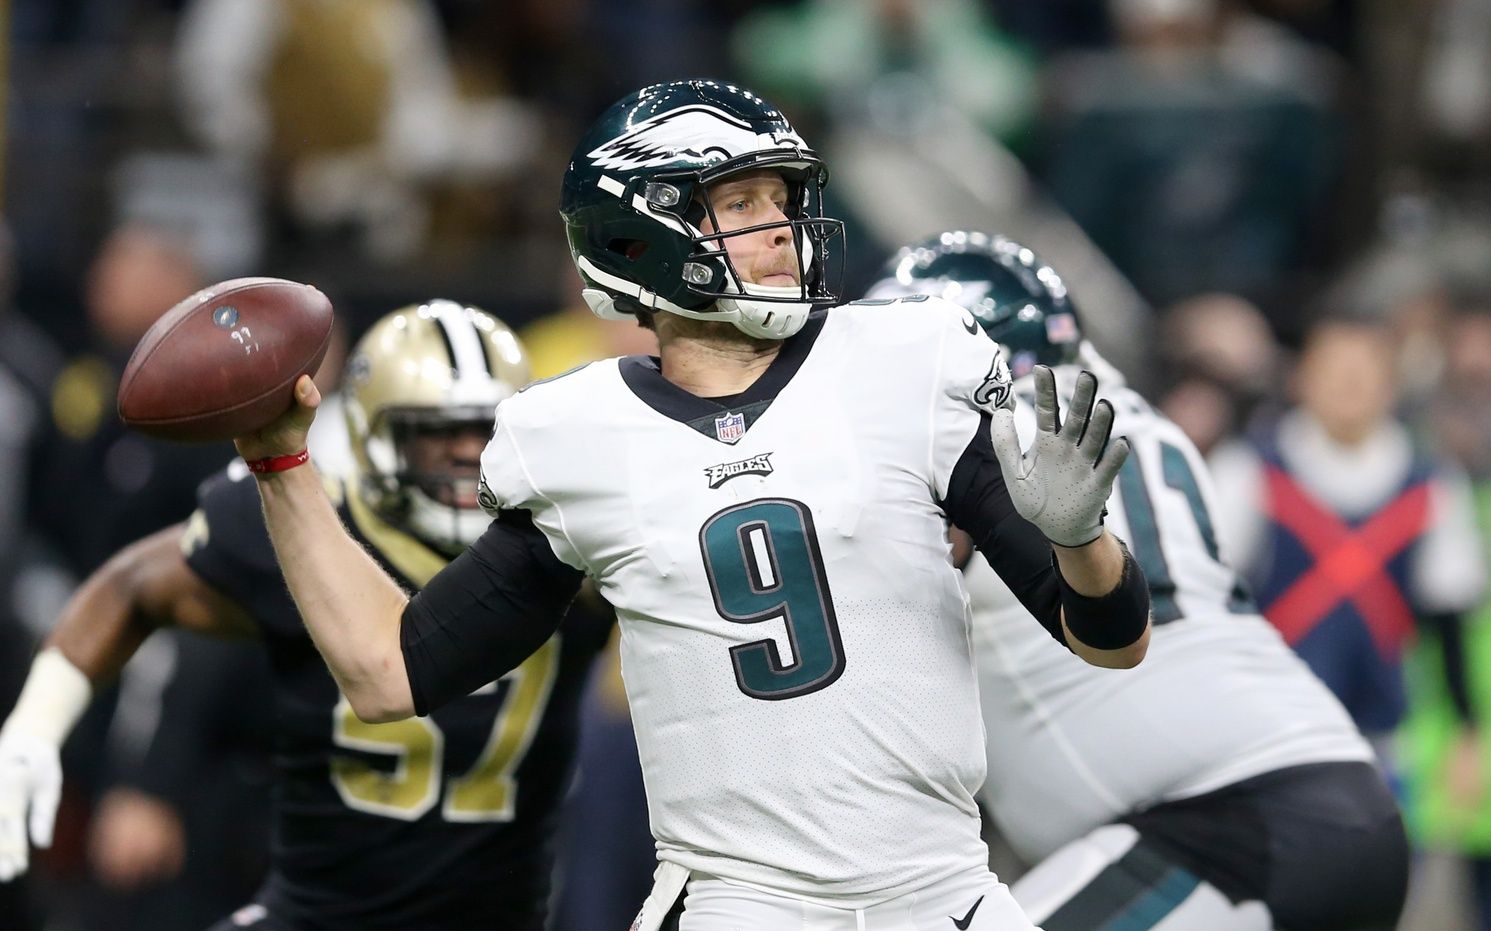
970,326
968,918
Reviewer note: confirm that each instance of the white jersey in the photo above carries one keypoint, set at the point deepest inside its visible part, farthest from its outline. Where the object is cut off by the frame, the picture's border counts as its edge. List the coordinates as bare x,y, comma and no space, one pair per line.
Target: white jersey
794,638
1219,698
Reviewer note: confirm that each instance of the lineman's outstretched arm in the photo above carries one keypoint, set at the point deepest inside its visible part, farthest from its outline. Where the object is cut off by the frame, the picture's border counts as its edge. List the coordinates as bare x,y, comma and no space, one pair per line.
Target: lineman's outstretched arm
146,585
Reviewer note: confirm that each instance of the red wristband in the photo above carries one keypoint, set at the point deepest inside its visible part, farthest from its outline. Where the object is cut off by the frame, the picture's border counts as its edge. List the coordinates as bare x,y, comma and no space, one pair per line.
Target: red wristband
278,463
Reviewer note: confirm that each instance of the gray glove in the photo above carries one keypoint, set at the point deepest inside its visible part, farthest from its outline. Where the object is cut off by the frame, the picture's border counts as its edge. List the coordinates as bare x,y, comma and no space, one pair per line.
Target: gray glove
1063,482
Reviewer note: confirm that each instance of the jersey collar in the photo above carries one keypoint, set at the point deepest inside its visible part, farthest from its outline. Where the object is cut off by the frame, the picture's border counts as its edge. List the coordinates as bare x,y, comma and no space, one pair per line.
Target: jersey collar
643,375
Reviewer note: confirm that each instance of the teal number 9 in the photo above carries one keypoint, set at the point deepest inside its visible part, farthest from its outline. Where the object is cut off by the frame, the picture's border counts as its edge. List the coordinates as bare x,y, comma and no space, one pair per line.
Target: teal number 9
763,564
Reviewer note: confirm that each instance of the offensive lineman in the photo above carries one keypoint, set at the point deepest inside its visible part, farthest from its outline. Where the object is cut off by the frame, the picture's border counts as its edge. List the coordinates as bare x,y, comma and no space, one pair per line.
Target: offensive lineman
1220,786
764,504
442,823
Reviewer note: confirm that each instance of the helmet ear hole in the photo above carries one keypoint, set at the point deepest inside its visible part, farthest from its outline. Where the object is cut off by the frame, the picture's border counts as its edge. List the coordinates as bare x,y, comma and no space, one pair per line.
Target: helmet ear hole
631,249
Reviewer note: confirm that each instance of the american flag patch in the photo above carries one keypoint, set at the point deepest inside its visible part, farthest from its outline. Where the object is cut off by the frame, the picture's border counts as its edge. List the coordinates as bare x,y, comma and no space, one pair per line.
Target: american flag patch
1061,328
729,428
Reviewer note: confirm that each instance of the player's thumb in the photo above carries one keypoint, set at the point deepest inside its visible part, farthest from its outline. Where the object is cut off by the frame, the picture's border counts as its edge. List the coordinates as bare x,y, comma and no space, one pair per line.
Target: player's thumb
1006,441
307,393
307,399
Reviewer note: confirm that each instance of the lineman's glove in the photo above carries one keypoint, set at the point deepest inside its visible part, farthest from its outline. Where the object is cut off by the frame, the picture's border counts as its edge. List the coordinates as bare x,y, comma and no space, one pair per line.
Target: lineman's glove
30,779
1062,483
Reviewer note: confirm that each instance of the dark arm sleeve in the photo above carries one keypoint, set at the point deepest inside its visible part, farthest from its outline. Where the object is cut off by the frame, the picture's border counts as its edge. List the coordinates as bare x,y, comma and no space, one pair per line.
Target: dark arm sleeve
485,613
1451,632
979,504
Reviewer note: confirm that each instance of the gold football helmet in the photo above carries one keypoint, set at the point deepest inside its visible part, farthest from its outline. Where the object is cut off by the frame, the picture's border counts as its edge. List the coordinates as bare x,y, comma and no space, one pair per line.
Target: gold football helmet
419,391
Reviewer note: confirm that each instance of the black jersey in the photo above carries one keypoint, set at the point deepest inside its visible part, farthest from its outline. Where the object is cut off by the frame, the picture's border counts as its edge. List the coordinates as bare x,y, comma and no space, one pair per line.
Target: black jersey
437,823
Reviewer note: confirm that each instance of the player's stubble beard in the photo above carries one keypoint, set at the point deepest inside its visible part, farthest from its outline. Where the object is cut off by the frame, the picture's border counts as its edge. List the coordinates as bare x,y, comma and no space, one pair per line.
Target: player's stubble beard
715,334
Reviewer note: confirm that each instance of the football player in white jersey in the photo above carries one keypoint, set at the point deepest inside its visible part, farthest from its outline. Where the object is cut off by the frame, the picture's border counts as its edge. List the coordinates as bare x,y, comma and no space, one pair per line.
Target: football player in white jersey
765,506
1218,787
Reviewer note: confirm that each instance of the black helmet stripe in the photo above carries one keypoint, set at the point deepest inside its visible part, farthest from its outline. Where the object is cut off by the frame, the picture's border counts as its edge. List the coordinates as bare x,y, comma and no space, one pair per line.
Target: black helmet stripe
462,341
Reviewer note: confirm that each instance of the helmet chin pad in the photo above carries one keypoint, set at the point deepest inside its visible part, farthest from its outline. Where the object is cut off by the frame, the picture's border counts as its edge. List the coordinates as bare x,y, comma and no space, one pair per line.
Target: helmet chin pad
771,319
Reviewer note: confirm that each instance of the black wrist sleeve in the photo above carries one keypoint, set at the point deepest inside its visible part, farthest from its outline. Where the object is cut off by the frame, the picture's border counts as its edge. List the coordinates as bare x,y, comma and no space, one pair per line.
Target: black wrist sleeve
1111,621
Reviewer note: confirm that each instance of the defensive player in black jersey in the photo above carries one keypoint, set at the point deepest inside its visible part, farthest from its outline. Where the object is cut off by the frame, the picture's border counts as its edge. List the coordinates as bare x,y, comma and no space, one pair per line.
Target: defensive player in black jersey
438,823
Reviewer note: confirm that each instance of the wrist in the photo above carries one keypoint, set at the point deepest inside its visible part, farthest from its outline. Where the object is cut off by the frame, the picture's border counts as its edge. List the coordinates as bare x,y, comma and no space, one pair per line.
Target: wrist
1077,541
55,695
269,465
1113,619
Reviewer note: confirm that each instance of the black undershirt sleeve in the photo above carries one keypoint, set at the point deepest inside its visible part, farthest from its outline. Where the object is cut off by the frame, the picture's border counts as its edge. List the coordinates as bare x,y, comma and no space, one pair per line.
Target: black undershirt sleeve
485,613
979,504
1450,629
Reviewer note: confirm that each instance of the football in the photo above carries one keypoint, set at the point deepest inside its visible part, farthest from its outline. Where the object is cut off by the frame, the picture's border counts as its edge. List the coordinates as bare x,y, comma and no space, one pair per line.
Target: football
224,361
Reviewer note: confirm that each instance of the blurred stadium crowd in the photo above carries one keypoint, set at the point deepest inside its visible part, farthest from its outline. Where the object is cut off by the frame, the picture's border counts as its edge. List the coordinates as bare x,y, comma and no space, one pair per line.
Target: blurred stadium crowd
1211,177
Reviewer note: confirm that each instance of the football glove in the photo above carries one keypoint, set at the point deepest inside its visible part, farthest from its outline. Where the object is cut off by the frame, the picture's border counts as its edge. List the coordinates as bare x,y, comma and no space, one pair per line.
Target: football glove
1062,483
30,783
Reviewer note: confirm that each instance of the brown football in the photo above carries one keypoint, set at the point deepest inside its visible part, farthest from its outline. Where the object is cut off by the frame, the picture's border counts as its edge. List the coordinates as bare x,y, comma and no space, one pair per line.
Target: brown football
224,362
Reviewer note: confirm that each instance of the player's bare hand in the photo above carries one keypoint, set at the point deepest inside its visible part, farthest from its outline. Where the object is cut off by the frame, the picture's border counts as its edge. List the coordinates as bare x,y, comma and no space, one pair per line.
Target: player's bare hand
1062,483
287,435
1465,774
137,840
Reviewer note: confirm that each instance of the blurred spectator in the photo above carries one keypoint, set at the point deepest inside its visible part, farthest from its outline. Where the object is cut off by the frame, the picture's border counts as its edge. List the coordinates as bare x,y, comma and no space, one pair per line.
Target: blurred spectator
1460,423
1201,153
1455,95
1401,283
545,50
28,363
1055,25
134,484
831,54
1446,764
1353,536
181,838
350,105
1222,361
1335,24
106,485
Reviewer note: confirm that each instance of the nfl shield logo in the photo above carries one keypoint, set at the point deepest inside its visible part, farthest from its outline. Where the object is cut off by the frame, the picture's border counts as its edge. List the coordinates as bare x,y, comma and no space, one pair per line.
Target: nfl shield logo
730,428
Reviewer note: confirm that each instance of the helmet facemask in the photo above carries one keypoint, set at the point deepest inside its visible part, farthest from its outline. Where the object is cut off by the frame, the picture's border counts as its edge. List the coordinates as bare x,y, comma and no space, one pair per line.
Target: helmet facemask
426,464
718,291
711,272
